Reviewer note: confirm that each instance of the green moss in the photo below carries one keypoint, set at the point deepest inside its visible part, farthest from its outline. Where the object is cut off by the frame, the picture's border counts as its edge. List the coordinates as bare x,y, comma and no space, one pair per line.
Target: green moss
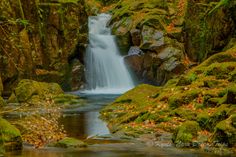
68,99
185,114
139,94
182,98
187,79
203,120
225,131
28,88
2,102
220,114
231,95
220,70
185,133
10,135
232,76
70,143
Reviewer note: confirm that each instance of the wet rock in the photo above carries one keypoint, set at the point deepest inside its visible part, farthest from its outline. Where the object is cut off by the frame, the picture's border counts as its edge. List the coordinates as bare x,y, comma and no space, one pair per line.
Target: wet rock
135,62
77,75
70,143
185,134
67,99
26,89
10,136
136,36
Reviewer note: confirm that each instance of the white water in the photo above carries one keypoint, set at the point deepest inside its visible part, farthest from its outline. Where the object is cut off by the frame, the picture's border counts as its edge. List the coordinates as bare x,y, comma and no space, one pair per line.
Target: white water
106,72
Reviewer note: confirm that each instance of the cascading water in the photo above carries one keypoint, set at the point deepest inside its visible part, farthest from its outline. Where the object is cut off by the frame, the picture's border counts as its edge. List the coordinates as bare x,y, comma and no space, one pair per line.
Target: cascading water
105,68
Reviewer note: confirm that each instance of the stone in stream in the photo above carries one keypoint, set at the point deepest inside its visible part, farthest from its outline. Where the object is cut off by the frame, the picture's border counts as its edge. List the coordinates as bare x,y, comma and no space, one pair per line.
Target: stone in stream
69,142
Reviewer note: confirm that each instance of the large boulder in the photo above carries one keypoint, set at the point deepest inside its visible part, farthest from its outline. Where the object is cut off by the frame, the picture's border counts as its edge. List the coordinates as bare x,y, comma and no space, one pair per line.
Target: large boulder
29,89
225,131
151,38
157,68
185,134
10,136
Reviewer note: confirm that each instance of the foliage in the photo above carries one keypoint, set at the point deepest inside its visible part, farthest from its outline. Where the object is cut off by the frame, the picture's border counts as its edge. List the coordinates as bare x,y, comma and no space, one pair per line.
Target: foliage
41,126
22,22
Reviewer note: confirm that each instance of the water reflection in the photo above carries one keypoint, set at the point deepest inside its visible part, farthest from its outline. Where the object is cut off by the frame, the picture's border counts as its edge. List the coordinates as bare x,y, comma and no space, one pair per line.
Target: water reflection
84,124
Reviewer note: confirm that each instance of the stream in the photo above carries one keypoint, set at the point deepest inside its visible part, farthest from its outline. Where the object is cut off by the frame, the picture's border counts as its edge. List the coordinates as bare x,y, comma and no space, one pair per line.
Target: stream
83,123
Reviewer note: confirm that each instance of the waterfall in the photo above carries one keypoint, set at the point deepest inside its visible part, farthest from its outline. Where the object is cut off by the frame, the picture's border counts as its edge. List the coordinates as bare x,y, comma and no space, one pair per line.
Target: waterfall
105,68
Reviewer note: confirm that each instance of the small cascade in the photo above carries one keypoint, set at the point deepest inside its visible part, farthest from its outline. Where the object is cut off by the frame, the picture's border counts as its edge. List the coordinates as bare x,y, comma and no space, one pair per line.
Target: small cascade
105,68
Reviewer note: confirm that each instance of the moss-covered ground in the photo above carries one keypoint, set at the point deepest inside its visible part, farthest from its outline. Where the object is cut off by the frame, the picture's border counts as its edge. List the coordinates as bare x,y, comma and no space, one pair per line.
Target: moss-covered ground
198,108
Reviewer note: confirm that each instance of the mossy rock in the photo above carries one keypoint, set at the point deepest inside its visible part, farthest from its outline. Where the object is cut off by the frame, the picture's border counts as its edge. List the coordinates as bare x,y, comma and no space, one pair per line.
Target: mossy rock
2,102
28,88
211,83
225,131
185,134
187,79
68,99
185,113
221,113
220,70
231,95
70,143
10,136
183,98
203,120
139,94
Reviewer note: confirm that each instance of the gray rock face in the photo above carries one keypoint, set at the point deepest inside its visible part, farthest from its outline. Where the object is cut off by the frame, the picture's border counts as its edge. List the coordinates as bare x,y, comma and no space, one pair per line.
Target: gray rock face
151,38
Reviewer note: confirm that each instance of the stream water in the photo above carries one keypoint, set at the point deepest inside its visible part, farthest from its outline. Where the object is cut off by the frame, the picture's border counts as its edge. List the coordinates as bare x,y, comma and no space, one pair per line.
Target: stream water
83,122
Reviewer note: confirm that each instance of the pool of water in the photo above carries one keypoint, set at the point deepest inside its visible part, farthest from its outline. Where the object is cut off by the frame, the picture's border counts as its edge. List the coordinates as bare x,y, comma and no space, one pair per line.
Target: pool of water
83,122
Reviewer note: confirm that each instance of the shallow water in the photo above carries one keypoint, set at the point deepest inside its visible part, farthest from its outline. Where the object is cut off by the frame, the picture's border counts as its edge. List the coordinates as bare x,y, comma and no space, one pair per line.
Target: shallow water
83,122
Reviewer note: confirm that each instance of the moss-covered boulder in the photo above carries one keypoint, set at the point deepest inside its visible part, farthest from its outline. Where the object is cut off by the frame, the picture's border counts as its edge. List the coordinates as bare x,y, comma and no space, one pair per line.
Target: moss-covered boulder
27,89
185,134
70,143
231,95
10,136
225,131
2,102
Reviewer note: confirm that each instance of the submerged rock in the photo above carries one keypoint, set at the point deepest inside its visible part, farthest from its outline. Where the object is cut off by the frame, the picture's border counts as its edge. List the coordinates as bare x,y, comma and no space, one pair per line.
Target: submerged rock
70,143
